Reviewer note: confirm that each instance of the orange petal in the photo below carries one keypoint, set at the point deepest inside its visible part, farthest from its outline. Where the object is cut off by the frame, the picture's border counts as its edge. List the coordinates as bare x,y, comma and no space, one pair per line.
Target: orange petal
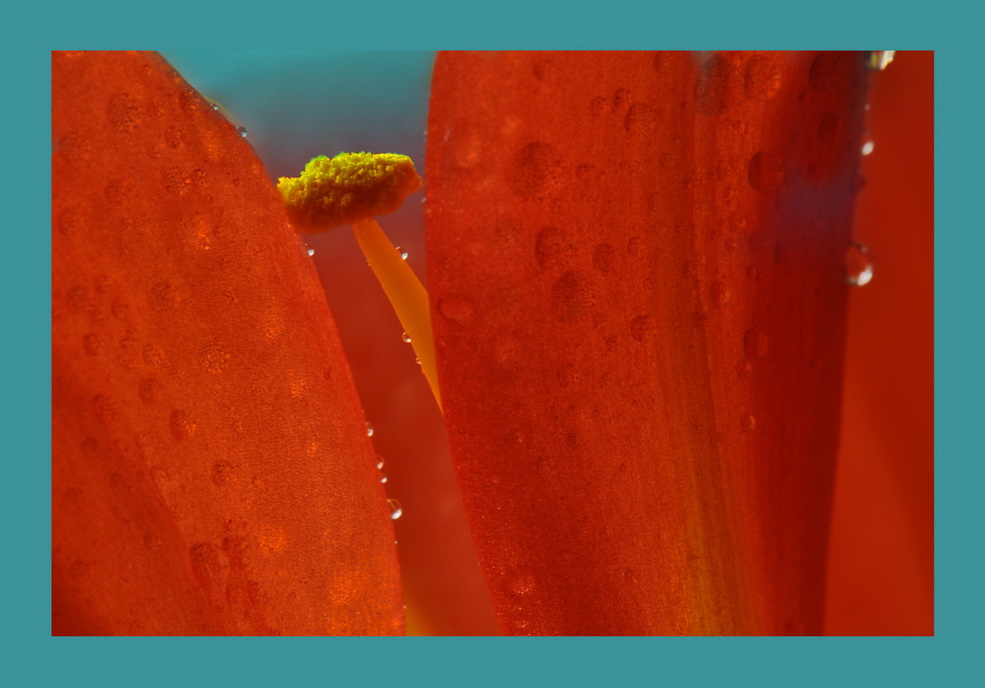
881,579
211,470
636,278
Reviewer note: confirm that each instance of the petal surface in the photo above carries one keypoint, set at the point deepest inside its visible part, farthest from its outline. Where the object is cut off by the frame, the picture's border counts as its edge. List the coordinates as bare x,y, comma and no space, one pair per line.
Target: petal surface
639,306
211,472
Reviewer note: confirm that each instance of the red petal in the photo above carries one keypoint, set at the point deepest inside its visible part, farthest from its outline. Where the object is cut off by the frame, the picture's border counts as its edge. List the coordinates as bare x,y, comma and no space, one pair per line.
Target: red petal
636,276
211,471
882,540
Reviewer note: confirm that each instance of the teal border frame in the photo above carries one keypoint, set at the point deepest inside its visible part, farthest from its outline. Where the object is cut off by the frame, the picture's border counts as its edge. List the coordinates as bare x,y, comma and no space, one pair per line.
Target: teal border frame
42,660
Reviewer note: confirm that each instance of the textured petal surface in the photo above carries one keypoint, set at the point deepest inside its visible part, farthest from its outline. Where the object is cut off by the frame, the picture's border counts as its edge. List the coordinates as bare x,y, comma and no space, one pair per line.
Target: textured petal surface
639,306
211,470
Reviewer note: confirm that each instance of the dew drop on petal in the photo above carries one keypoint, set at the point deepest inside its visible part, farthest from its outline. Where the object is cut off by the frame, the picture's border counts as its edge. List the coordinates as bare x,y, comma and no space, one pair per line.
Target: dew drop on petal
858,265
402,251
369,429
242,131
719,294
405,337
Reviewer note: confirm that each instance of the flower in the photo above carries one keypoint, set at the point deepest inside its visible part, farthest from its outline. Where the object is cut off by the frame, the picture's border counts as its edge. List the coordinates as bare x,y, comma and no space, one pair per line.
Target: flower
635,277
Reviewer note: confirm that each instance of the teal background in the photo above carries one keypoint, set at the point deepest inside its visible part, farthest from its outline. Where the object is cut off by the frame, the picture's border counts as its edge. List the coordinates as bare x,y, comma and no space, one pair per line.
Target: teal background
32,658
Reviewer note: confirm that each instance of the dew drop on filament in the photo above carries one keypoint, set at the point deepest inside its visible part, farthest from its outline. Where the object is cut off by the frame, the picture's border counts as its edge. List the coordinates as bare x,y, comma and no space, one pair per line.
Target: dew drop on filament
868,143
396,511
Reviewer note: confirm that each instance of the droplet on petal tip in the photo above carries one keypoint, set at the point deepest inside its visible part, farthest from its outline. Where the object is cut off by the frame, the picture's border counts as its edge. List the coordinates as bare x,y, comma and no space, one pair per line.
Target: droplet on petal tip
347,188
880,59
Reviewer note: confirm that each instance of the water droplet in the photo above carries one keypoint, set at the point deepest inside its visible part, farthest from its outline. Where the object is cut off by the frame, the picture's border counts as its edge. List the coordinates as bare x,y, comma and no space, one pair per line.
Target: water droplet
868,143
369,429
181,425
880,59
620,97
455,308
755,343
69,221
383,478
715,84
523,585
858,265
405,337
105,408
396,511
417,361
241,131
214,359
162,297
379,461
123,112
536,169
762,79
747,422
215,106
311,251
402,251
765,171
552,248
600,106
641,120
153,355
573,296
719,294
